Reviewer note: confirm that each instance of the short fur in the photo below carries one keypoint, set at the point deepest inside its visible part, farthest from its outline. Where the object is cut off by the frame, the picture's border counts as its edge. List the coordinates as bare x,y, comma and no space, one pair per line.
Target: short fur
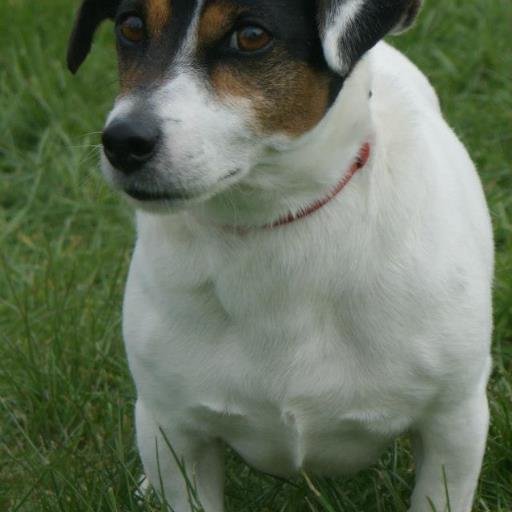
158,14
310,346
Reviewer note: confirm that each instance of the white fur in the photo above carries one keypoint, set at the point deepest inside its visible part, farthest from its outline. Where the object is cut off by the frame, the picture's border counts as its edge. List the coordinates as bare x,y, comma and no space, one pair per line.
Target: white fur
312,346
209,140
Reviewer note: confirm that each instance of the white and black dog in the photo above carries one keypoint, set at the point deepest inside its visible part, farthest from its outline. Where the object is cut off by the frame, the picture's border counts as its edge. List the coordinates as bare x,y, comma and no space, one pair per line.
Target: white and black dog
313,269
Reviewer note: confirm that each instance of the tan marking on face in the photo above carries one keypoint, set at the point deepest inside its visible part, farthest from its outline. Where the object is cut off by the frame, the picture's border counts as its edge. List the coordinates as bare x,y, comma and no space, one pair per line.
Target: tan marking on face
287,97
158,14
216,20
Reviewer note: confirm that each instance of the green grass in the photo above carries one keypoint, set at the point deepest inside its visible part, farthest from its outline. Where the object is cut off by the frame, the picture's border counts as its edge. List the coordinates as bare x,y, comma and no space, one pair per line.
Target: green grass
66,398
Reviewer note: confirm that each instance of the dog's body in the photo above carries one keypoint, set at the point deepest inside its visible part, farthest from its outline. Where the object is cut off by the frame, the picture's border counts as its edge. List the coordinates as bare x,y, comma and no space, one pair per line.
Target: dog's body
312,345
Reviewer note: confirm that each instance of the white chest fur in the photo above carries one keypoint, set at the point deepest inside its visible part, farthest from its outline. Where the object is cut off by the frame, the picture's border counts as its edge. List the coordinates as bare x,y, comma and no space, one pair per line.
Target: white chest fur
298,356
273,369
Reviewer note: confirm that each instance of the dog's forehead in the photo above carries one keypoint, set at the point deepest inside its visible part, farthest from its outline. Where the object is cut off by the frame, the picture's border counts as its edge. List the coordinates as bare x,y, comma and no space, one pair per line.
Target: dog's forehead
161,15
178,28
191,18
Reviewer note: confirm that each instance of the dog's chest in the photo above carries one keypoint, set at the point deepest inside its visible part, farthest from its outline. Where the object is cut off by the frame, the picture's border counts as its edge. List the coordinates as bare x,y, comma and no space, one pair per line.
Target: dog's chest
315,406
273,362
279,432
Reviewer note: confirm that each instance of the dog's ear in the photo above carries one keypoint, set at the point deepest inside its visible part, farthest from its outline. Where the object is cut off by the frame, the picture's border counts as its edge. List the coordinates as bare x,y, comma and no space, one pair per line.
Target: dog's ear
90,15
349,28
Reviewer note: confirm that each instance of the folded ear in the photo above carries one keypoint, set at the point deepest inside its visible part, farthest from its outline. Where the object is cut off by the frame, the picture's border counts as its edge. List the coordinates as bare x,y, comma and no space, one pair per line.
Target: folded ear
90,15
349,28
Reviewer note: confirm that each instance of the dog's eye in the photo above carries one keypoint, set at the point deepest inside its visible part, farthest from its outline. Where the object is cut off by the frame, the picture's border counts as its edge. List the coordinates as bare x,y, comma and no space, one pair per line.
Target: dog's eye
132,29
250,38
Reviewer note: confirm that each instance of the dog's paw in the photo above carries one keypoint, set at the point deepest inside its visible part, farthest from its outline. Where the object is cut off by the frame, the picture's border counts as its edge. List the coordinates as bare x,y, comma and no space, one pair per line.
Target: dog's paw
143,488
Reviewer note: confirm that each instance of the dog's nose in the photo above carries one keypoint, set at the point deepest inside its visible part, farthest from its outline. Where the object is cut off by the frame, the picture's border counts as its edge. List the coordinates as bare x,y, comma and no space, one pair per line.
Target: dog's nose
130,143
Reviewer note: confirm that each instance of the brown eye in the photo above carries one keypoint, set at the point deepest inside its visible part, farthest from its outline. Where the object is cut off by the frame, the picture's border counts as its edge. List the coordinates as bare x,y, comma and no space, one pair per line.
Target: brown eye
250,39
132,29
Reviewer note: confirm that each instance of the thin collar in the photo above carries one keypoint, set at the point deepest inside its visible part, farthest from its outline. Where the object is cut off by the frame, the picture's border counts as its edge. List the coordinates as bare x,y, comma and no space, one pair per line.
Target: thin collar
360,161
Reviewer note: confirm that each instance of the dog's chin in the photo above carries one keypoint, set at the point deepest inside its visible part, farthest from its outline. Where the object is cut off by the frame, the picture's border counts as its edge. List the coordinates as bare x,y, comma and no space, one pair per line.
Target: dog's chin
160,199
160,205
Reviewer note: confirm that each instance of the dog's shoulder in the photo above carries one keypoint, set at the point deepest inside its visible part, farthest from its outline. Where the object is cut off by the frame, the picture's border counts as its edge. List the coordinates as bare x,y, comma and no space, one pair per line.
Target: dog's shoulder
394,74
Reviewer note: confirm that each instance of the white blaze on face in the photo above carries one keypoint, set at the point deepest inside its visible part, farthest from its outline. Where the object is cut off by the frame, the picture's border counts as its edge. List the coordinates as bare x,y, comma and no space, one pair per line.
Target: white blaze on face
205,139
122,108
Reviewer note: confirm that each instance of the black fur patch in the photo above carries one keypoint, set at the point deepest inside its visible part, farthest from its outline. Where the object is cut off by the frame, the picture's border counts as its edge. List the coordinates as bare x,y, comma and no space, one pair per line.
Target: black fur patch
90,15
141,67
375,19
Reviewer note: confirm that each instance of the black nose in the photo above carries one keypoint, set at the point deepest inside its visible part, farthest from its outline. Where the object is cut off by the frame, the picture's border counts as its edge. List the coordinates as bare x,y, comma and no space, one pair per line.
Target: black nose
130,143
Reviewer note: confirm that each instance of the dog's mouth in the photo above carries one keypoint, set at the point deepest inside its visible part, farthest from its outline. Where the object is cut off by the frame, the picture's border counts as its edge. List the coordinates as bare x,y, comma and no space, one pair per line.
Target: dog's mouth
162,196
146,196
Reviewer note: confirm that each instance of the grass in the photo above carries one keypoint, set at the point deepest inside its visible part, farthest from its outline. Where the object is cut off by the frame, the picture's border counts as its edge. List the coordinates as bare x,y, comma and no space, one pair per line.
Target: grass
66,398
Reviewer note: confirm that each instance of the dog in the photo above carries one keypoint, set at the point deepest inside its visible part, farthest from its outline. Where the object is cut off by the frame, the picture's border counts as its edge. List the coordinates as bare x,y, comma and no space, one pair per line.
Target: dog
313,268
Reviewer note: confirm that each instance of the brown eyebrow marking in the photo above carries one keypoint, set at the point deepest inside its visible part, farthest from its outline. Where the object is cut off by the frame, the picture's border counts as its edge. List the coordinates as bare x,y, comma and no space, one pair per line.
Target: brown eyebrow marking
289,97
216,20
158,14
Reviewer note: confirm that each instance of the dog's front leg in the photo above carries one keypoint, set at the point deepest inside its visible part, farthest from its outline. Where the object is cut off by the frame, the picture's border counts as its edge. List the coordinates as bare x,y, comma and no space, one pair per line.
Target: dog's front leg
449,447
186,469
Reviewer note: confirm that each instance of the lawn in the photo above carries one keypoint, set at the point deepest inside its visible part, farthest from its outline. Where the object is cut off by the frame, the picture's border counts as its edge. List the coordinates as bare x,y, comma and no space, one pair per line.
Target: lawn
66,398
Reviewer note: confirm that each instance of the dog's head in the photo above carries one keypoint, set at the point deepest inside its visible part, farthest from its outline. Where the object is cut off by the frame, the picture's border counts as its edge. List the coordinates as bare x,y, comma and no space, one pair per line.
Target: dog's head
207,86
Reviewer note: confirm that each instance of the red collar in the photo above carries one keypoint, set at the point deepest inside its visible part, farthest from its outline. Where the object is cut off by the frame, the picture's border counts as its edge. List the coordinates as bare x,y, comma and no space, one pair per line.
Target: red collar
361,160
